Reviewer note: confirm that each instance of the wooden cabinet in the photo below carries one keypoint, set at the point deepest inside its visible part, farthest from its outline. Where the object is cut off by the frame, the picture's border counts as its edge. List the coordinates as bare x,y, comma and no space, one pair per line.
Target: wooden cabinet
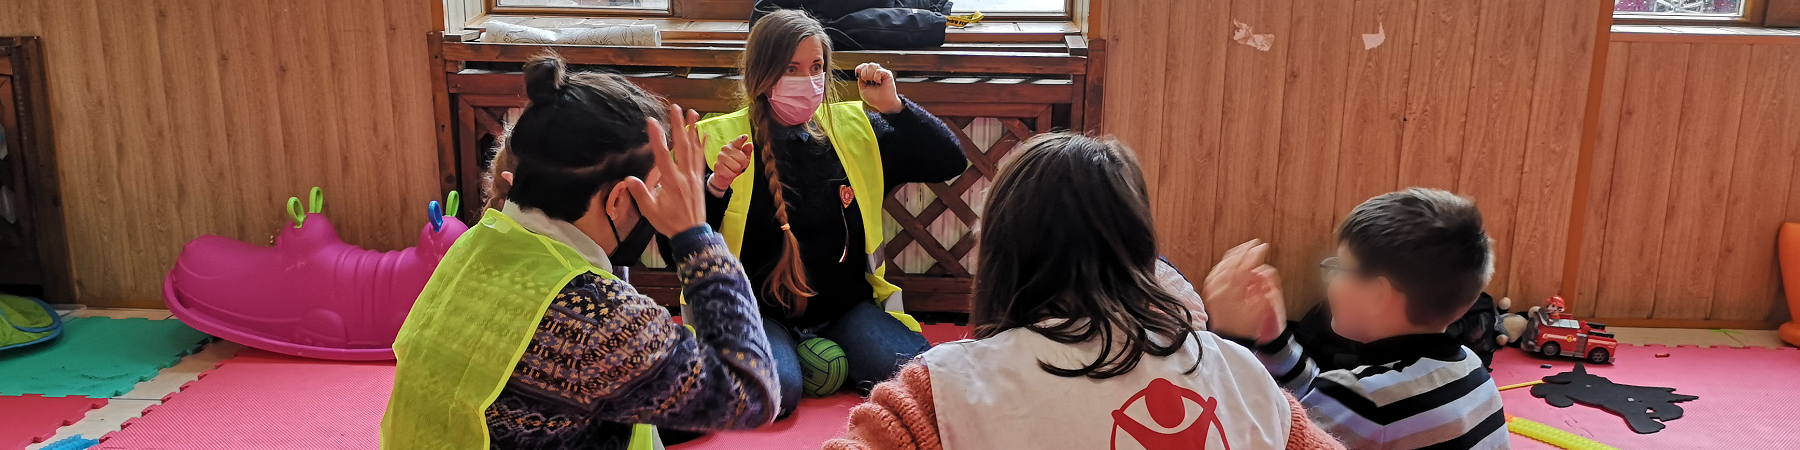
34,255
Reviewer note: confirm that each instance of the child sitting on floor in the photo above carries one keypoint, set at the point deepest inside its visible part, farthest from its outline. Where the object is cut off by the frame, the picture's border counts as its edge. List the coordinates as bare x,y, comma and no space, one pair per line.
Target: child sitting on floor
1408,264
1080,345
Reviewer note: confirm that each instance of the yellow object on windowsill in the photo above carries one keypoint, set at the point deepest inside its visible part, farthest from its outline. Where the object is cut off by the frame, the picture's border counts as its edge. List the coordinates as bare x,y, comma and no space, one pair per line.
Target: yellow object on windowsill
964,20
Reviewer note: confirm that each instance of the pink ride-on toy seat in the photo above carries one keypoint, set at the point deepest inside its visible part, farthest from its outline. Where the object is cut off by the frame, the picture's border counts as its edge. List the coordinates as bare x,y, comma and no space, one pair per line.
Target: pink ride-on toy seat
311,295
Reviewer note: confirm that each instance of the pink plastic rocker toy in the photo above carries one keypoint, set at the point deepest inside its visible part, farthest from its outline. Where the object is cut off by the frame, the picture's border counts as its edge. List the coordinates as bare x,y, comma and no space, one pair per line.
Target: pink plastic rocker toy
310,295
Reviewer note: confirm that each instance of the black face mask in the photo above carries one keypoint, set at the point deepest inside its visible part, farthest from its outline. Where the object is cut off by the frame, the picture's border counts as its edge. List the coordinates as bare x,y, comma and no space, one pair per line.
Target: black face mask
631,247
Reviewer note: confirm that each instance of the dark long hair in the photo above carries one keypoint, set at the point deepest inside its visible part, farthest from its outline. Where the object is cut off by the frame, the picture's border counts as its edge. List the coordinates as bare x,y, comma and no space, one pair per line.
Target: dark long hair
1068,235
580,133
767,52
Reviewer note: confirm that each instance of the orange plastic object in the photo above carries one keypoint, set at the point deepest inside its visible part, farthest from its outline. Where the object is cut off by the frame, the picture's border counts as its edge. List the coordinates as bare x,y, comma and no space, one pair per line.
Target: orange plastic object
1789,246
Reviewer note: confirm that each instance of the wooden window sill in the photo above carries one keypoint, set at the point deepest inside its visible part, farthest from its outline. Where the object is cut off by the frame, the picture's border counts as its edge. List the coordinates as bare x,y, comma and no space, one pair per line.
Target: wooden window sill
1706,34
684,32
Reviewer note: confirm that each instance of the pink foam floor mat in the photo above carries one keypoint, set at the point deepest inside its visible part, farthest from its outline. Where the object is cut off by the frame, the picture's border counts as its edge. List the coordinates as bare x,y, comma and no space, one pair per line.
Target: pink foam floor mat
29,419
815,421
267,401
1747,396
939,333
264,400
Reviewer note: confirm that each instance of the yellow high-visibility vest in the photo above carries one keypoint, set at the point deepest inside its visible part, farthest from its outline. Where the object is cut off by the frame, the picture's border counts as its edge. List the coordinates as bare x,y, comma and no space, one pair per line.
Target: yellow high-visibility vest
469,328
853,137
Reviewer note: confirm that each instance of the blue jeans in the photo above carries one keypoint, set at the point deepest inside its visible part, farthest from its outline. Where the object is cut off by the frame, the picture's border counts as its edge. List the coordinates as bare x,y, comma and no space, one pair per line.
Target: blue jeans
875,343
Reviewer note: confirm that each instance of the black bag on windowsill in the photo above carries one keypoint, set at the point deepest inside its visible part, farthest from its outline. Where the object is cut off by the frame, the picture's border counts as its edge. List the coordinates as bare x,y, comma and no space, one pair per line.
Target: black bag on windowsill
871,24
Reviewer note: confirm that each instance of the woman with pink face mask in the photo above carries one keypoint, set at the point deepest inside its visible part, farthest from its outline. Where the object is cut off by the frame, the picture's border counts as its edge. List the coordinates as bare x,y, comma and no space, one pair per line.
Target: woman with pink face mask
796,188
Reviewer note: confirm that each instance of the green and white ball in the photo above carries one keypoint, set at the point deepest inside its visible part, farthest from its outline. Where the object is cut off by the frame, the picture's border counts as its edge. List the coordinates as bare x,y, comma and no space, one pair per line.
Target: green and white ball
822,366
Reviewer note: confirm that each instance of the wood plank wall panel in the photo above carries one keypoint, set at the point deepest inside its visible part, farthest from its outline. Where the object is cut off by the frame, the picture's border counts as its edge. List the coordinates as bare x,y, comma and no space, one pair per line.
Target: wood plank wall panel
178,118
1554,147
1374,106
1318,68
1251,130
1645,156
1713,97
1500,101
1595,217
1188,83
1763,163
1456,97
1692,177
1438,93
157,104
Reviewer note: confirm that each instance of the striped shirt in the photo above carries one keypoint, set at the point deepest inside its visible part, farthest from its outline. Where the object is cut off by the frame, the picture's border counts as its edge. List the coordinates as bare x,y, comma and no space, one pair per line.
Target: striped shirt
1420,391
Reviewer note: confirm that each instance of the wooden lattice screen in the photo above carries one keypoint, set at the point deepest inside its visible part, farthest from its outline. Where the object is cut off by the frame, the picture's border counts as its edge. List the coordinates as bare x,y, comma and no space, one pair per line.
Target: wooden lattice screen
930,227
918,212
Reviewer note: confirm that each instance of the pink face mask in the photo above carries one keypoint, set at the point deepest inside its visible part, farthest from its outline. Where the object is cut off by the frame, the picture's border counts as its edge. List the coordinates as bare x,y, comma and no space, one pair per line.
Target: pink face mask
795,98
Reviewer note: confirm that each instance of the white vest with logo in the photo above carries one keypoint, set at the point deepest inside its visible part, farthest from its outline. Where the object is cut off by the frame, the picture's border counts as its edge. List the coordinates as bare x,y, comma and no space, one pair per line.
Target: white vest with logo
991,394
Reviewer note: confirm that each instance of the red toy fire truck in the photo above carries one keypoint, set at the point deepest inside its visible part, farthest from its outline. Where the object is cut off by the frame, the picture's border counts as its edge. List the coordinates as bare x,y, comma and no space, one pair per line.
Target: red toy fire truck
1552,331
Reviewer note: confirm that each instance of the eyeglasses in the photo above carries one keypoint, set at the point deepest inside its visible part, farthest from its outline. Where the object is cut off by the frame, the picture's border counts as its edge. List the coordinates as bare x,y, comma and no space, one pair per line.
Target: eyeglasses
1329,269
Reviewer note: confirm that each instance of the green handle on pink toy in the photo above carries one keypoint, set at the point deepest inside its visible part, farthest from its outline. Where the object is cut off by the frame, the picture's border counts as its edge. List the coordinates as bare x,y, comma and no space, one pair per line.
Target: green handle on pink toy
452,204
296,212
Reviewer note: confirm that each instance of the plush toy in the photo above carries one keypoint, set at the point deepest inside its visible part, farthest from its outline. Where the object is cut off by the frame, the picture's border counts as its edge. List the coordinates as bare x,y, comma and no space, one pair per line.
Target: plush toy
1512,325
1479,327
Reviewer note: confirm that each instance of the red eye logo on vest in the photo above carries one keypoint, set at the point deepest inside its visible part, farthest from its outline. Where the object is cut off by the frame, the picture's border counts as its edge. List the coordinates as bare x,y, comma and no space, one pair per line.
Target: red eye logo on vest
1170,407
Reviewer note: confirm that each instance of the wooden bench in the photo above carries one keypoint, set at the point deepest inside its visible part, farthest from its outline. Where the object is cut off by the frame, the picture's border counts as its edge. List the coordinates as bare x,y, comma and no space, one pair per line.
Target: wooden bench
1009,90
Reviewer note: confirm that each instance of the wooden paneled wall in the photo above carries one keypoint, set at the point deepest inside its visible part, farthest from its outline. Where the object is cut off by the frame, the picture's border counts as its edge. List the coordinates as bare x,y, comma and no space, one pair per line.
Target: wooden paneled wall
1693,173
1486,99
178,118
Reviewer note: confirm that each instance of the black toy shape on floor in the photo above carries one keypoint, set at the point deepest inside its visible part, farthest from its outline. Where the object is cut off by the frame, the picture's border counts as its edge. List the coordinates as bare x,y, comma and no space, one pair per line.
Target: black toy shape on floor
1642,407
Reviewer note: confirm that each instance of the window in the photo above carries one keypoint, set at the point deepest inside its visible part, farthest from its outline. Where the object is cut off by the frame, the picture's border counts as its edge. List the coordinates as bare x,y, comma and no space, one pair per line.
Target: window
460,13
631,5
1010,7
1736,11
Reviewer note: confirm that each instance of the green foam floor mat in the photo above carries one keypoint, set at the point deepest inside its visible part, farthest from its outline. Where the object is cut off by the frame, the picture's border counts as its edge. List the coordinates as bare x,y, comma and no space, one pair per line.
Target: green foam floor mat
97,357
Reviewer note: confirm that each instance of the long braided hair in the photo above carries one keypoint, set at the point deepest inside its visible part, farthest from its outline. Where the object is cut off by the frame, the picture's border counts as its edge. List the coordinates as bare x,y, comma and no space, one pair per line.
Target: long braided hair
767,52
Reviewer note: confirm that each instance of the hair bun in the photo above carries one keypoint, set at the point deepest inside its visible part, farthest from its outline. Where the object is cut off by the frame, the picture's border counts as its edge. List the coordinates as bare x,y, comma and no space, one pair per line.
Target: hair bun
544,76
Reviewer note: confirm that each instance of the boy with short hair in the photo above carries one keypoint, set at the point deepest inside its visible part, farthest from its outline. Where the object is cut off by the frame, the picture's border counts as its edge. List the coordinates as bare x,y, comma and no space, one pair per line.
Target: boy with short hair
1408,264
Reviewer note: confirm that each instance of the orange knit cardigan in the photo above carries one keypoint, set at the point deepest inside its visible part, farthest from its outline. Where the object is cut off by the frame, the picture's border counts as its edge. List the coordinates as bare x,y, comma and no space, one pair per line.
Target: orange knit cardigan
900,415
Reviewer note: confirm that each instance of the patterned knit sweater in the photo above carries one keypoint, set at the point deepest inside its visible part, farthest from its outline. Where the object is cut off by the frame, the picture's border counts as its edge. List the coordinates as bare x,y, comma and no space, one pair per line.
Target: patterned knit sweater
900,415
605,356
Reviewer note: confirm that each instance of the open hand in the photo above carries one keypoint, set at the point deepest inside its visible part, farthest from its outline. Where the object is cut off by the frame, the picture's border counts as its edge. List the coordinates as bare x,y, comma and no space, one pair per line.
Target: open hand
734,157
1244,294
673,201
877,86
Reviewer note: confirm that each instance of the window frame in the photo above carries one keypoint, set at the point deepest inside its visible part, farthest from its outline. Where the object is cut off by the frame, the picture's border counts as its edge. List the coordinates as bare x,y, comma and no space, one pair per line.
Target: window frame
1068,14
676,11
492,7
1754,12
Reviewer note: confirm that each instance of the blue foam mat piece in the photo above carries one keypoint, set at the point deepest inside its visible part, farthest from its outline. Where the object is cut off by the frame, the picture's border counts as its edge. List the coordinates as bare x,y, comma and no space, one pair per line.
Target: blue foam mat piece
75,442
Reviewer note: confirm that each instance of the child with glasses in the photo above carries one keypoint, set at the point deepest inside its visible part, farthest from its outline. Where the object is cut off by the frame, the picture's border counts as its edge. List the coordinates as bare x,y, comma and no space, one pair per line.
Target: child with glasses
1408,264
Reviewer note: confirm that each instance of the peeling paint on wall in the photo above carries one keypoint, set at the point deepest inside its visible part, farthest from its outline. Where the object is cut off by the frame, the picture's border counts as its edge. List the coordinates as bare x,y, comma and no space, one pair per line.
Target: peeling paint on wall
1370,41
1244,35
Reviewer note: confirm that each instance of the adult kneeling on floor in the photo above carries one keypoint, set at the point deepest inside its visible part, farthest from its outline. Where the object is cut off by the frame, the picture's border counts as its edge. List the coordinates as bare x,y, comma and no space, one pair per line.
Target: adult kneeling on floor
523,338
